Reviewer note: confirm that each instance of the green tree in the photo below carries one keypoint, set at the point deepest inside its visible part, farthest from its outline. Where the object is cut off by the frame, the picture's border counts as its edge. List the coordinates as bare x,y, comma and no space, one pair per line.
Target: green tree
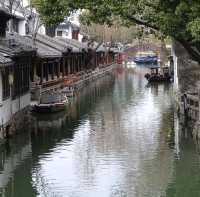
179,19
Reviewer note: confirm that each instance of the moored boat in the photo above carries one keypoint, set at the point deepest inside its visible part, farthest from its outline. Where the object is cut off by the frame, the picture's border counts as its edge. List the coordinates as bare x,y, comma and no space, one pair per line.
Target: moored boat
159,75
50,103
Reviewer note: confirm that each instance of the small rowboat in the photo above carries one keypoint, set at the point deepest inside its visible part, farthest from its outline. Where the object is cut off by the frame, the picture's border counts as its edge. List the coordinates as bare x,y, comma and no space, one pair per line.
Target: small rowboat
159,75
53,106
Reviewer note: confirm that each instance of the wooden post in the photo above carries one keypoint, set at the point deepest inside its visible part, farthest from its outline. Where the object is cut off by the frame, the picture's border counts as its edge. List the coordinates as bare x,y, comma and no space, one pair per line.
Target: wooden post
68,65
47,72
58,72
52,65
72,64
63,66
42,69
76,63
33,72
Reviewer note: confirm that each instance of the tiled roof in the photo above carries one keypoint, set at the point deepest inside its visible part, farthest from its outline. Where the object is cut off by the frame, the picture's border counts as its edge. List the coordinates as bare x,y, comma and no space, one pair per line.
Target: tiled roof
19,43
72,42
12,46
4,11
43,50
56,44
4,59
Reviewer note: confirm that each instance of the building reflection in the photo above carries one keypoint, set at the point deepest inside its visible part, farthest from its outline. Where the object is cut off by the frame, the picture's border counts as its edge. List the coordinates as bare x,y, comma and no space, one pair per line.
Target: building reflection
20,156
118,138
13,153
131,143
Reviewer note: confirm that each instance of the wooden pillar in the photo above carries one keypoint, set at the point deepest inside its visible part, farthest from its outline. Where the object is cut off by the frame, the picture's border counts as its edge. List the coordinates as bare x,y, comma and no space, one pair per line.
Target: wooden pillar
33,72
52,69
68,65
95,60
81,61
58,71
63,66
41,75
72,64
76,63
47,71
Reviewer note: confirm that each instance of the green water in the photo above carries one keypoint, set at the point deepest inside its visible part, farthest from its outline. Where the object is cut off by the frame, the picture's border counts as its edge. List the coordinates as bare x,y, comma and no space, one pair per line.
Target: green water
120,138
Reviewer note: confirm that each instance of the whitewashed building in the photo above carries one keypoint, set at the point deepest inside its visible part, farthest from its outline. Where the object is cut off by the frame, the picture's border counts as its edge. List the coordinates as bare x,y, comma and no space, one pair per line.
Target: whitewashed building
26,19
15,62
70,28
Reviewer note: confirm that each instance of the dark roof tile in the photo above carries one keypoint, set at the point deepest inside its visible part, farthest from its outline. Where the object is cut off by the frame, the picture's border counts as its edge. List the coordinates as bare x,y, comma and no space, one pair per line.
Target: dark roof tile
4,59
72,42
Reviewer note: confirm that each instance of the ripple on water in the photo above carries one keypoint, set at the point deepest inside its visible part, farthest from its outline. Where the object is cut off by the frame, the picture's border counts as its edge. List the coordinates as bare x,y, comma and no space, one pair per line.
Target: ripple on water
118,141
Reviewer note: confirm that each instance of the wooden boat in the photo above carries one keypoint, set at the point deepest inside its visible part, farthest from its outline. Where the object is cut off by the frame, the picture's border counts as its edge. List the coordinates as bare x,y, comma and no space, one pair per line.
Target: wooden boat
159,75
51,103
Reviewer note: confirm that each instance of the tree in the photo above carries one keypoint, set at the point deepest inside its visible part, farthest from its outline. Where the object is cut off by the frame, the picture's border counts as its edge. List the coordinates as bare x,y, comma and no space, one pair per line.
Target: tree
179,19
115,33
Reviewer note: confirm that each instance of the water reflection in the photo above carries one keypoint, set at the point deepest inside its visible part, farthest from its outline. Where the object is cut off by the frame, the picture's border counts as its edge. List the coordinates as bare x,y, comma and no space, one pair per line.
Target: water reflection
120,138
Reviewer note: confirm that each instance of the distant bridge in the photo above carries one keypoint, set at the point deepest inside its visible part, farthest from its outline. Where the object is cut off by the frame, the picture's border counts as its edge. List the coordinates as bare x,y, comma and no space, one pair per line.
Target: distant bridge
158,48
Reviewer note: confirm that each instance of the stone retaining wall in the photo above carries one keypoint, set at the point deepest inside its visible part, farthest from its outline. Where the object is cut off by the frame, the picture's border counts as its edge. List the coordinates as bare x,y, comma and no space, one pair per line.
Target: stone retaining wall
18,123
188,78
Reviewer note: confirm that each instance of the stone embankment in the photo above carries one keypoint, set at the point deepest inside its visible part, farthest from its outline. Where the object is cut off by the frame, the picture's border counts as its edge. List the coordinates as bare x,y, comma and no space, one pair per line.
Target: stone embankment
21,121
187,88
90,76
18,123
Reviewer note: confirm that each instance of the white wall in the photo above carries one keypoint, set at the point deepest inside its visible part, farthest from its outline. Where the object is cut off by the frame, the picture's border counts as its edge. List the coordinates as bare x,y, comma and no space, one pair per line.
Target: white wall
65,33
175,60
10,107
26,3
80,37
22,29
42,30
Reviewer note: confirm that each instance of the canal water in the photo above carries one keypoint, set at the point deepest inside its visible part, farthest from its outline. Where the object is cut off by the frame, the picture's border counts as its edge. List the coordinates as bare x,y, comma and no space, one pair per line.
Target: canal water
121,138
